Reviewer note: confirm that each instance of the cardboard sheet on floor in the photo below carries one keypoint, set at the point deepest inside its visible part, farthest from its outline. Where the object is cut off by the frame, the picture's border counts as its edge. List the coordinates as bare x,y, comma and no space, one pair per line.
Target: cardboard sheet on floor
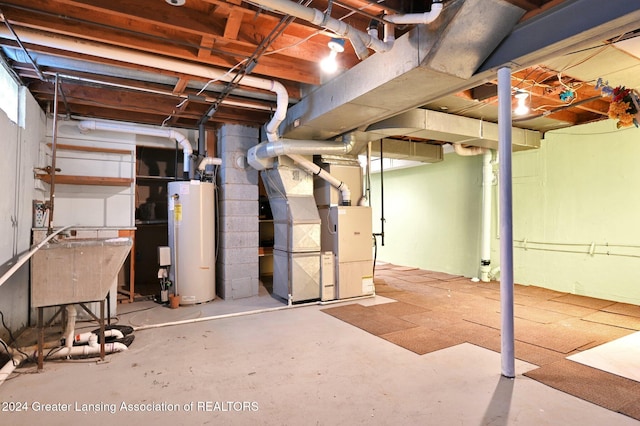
620,357
599,387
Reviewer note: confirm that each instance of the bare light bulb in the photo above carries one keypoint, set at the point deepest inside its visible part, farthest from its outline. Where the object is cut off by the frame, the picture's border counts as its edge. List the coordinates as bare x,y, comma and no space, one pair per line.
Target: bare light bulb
522,108
329,64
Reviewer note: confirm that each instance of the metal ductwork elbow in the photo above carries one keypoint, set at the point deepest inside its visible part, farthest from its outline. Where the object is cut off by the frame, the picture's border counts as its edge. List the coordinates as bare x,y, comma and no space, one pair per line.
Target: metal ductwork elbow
261,156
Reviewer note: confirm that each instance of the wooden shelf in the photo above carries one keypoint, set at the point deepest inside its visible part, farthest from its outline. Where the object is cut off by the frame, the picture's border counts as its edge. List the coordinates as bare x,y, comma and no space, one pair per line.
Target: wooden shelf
67,147
86,180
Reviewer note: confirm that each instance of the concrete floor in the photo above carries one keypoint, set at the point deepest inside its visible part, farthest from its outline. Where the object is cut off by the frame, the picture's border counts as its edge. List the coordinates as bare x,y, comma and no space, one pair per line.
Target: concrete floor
295,366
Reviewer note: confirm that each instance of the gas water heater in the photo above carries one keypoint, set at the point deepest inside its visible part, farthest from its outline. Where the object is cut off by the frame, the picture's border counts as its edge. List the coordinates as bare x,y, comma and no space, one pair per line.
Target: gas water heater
192,240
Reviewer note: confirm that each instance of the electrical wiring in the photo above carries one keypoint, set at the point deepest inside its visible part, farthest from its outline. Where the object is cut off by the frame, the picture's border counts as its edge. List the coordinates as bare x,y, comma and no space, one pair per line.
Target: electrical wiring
617,131
11,336
597,52
276,32
329,230
298,43
4,345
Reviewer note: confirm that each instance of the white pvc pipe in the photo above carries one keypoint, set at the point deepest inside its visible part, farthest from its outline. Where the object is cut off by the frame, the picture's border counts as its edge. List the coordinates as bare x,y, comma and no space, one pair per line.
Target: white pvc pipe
254,312
358,39
114,126
487,181
24,258
70,326
84,350
155,61
416,18
92,349
317,17
282,103
88,336
485,246
209,161
10,366
313,168
468,150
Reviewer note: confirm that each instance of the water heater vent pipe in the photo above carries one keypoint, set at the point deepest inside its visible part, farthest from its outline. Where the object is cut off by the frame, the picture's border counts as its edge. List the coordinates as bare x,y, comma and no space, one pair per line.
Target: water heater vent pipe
111,126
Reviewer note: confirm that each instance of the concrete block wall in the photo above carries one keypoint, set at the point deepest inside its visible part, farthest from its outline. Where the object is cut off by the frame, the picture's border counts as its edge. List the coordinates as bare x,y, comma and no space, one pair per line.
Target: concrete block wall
238,240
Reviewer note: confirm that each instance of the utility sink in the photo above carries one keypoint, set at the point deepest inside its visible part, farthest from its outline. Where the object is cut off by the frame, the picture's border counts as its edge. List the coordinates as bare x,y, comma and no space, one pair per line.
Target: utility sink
76,270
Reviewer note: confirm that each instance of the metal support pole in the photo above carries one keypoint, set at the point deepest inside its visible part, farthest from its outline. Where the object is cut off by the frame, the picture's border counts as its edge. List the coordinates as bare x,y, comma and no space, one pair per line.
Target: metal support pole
40,338
506,224
54,143
102,350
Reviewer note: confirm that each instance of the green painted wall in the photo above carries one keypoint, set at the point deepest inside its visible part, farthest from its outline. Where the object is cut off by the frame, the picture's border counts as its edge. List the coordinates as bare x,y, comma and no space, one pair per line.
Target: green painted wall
581,187
432,215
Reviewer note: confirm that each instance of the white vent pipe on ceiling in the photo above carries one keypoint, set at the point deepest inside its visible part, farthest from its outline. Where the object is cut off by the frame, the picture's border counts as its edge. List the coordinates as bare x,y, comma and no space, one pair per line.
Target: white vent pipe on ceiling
359,39
112,126
135,57
417,18
313,168
261,156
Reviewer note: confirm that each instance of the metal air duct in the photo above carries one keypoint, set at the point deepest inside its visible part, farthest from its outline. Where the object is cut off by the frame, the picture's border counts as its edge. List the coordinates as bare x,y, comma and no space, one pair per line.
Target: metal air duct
425,64
438,126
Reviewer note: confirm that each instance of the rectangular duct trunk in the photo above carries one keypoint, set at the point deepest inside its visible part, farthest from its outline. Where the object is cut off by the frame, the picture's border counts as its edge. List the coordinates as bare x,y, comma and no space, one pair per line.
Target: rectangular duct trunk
425,64
407,150
424,124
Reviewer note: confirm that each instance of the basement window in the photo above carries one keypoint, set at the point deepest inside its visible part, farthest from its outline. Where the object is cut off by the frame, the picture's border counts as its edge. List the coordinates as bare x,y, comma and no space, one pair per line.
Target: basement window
9,95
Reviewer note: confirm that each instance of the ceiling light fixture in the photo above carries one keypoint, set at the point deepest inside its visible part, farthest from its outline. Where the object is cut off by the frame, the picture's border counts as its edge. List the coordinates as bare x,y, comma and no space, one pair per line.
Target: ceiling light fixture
521,109
329,64
176,2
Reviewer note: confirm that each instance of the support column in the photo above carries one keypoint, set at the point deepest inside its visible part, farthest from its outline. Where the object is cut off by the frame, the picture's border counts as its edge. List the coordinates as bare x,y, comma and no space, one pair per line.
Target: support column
237,274
506,224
